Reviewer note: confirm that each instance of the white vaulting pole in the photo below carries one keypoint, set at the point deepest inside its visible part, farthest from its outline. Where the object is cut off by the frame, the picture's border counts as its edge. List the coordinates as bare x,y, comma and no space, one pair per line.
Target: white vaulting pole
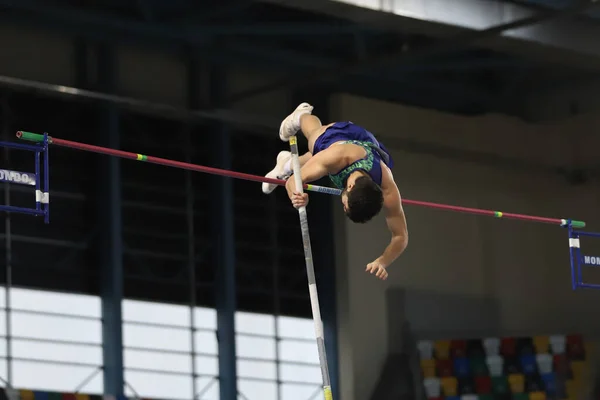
310,271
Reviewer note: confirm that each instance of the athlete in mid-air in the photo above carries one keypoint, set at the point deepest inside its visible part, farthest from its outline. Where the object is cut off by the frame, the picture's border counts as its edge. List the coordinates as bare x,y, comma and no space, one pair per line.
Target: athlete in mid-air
356,163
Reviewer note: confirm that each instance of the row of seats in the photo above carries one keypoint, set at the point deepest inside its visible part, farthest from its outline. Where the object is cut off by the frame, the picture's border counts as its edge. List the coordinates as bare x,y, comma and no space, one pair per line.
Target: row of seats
571,345
520,396
502,386
535,368
21,394
498,366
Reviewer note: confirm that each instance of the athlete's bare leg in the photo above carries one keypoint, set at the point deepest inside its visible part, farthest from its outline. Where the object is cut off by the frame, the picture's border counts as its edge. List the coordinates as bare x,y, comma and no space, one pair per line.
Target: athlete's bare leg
301,119
311,128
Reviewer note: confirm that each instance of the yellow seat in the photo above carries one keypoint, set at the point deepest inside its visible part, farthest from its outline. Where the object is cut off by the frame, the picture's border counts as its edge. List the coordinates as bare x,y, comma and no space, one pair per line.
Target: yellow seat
442,349
26,395
574,388
537,396
541,344
449,386
580,370
516,383
428,368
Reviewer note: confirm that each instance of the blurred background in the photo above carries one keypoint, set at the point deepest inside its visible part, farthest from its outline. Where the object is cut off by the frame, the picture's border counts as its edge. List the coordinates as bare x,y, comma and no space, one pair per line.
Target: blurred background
157,283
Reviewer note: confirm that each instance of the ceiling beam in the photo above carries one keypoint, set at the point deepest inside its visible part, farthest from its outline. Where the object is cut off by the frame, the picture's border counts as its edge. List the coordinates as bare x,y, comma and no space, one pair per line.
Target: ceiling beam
241,52
456,42
260,123
567,41
191,33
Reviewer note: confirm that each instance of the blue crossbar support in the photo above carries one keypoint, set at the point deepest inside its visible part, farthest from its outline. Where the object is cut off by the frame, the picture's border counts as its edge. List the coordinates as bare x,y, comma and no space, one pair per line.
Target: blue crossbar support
578,259
40,179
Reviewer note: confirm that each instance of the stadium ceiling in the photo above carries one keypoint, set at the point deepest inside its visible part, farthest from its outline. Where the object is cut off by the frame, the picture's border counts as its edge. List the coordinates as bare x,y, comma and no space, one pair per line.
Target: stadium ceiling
563,31
470,58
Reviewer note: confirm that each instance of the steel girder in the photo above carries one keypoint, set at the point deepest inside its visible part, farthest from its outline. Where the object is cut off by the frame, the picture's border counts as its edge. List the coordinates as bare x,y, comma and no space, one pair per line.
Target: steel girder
456,42
438,18
182,38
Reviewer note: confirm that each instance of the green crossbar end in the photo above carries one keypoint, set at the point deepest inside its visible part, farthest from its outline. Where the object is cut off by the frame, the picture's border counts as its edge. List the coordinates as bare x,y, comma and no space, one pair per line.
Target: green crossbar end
577,224
31,137
573,223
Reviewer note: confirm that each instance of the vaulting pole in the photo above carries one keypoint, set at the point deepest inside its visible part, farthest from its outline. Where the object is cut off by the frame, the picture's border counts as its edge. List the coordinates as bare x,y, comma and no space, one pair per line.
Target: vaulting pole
310,271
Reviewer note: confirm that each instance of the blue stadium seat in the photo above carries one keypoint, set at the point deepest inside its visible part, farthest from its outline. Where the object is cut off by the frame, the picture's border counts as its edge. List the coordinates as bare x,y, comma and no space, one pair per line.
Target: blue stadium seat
461,367
39,395
528,364
550,387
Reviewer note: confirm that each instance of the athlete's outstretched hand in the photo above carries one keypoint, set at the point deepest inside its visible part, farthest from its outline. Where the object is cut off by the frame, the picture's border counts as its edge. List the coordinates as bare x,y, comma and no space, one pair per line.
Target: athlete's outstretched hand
299,200
378,269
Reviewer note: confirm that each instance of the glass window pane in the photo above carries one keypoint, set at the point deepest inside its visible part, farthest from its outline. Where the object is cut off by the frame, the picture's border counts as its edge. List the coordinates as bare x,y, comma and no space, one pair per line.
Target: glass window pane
297,328
2,323
208,388
261,324
58,328
206,342
205,318
157,385
3,370
57,352
208,366
62,303
54,377
299,392
258,389
151,337
290,350
257,369
300,373
253,347
158,361
160,313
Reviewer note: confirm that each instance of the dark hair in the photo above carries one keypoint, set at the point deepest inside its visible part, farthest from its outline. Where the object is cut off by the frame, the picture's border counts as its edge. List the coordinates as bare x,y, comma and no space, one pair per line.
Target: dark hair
364,200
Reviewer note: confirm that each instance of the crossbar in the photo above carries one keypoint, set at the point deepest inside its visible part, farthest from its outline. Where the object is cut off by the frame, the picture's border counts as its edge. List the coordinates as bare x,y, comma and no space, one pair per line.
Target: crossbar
34,137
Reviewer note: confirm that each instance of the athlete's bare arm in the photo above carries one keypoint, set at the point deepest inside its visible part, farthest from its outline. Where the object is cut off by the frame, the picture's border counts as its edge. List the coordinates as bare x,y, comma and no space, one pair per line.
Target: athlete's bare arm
318,166
395,220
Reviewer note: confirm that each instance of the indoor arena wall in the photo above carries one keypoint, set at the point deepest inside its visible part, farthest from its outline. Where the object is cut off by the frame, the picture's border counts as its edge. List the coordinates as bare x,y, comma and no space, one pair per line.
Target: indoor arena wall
51,58
482,270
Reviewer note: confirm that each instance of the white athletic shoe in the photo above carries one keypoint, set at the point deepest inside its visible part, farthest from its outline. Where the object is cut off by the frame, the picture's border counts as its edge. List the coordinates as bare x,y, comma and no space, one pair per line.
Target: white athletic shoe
291,124
278,172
